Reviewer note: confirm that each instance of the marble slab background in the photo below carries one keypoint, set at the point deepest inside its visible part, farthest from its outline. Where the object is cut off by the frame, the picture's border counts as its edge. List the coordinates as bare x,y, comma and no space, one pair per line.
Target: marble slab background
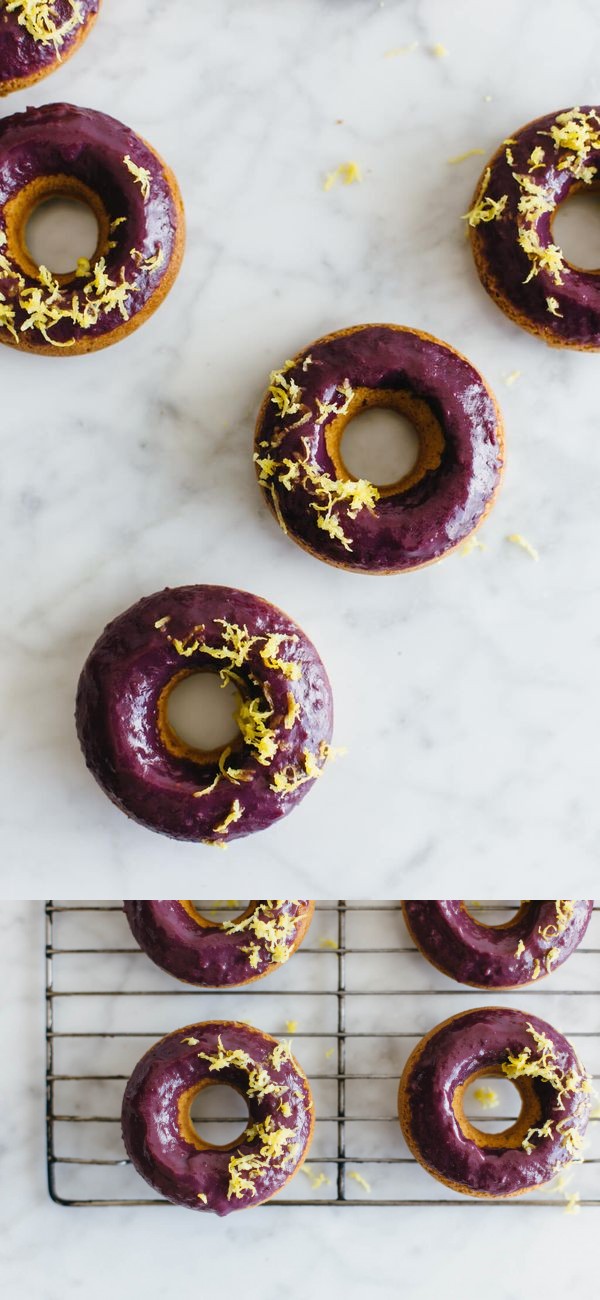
466,694
48,1252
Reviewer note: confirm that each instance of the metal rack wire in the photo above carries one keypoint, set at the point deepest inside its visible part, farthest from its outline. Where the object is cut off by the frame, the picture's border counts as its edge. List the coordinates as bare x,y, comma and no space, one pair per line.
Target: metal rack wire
365,995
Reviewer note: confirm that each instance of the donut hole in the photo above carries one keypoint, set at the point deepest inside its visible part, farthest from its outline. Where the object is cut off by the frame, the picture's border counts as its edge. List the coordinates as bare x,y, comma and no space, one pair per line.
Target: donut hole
218,911
199,717
494,1111
218,1115
389,437
60,232
495,915
576,228
381,446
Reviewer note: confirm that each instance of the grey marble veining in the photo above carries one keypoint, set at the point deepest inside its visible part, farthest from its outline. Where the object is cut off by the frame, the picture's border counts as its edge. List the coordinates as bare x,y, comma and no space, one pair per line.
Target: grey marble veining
466,694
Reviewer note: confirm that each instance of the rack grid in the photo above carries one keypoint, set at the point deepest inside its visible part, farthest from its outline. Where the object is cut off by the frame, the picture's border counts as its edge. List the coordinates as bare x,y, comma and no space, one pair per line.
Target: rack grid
364,996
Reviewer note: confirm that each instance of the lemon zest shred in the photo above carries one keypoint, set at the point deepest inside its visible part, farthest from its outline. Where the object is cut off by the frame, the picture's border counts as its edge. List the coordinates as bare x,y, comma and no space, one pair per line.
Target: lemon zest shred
485,208
234,815
348,173
362,1182
462,157
517,539
202,1197
487,1098
38,19
520,949
141,175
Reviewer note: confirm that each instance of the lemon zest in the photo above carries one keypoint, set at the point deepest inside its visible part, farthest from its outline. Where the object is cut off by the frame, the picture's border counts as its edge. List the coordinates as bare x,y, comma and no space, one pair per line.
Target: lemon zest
141,175
462,157
348,173
362,1182
485,208
38,19
517,539
487,1098
234,815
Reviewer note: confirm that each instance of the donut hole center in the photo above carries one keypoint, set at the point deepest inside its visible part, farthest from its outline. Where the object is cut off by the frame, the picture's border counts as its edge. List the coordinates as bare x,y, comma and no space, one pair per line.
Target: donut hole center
199,713
390,437
576,228
494,1111
381,446
60,232
219,1115
219,911
494,915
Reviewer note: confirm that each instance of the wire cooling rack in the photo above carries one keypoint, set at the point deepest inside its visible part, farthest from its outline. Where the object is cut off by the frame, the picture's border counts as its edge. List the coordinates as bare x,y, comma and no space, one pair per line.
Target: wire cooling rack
355,998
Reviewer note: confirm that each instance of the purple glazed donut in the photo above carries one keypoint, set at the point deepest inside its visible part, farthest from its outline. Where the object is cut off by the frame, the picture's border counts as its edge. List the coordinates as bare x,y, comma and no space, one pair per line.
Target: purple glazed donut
517,260
284,717
555,1093
60,151
350,522
163,1144
210,954
34,40
534,942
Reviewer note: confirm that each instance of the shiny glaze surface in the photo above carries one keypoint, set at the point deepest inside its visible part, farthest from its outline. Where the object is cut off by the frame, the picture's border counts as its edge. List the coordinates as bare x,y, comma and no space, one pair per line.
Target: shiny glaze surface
406,528
116,713
61,139
486,956
21,56
475,1041
151,1125
209,955
504,266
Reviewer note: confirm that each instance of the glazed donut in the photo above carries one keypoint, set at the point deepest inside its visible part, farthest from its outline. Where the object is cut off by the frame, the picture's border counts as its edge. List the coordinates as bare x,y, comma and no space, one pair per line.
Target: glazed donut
350,522
555,1102
215,954
510,224
60,151
534,942
163,1144
284,717
35,38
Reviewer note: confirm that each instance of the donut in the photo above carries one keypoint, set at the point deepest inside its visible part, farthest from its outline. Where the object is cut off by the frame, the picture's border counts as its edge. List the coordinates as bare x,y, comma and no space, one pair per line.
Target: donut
213,954
555,1094
160,1138
60,151
532,944
283,720
350,522
36,36
510,225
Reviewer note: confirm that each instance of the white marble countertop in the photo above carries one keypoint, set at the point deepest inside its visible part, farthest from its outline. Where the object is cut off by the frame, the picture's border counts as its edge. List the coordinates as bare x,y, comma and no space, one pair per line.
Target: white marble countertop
466,694
49,1252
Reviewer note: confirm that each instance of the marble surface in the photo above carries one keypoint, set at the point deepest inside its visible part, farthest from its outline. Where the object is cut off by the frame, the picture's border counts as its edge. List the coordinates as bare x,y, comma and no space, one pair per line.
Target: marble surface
49,1252
466,694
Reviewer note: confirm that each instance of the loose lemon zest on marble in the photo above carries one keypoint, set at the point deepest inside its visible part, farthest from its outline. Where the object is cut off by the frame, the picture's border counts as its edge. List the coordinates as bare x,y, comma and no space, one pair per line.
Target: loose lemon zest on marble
348,172
141,175
401,49
520,949
517,539
291,1026
462,157
485,209
471,544
330,1050
565,910
362,1182
439,51
234,815
573,1203
487,1098
316,1180
511,378
38,17
328,943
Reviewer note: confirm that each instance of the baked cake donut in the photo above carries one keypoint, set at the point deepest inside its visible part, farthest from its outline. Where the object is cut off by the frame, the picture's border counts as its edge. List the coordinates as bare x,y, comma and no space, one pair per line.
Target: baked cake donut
510,224
213,954
60,151
349,522
163,1144
532,944
36,36
555,1096
284,717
